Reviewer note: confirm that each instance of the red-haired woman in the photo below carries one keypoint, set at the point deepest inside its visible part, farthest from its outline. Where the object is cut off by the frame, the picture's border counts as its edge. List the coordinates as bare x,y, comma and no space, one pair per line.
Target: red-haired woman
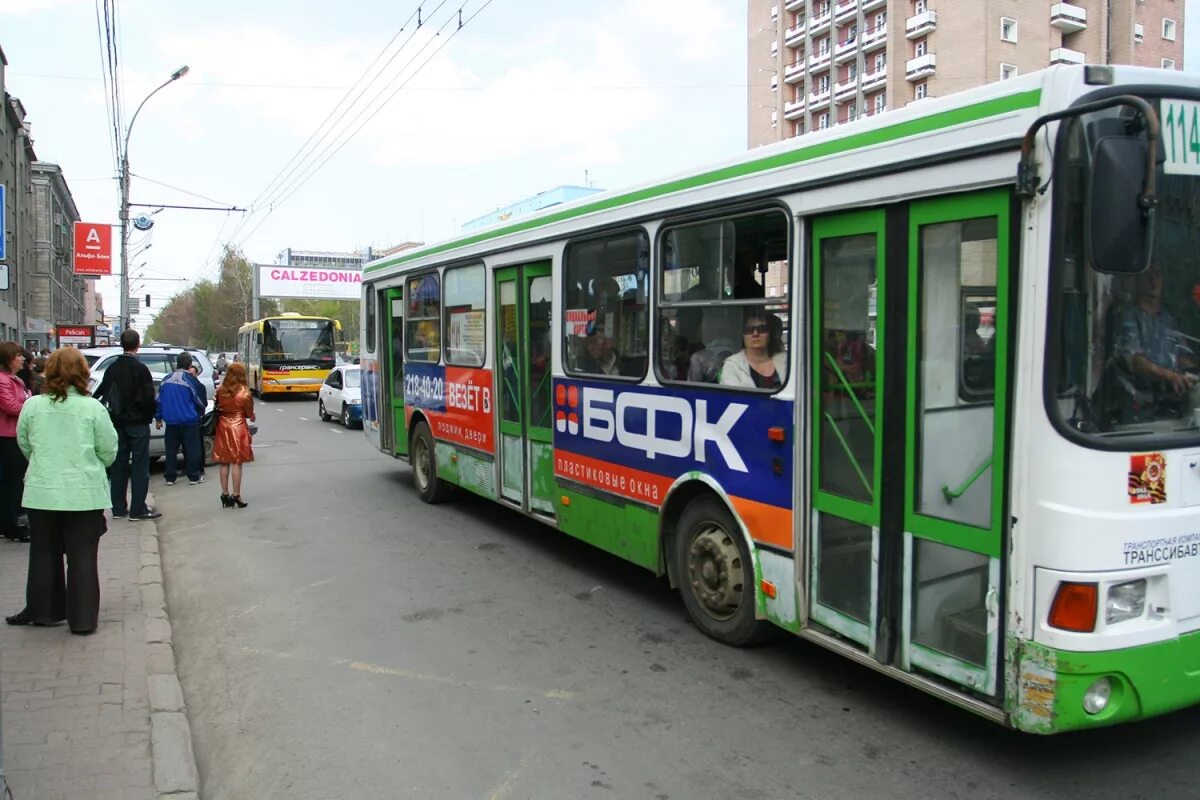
70,441
13,394
231,443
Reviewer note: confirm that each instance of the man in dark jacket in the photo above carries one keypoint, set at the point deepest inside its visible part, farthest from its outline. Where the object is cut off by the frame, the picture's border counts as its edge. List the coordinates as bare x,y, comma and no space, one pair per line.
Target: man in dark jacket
181,403
127,388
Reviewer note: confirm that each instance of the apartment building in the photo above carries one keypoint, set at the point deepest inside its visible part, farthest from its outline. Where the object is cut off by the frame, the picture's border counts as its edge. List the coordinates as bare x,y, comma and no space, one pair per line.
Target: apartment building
817,63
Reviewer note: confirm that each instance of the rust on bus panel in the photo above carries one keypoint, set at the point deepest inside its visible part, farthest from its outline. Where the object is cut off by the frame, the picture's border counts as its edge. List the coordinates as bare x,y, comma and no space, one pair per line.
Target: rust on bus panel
1036,676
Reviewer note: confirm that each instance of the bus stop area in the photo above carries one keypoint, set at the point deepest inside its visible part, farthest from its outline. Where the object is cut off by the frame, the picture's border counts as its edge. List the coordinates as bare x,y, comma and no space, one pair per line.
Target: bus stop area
97,716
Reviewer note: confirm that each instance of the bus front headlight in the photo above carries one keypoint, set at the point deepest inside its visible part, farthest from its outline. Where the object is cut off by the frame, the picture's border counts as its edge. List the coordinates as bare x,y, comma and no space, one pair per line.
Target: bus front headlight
1096,698
1125,601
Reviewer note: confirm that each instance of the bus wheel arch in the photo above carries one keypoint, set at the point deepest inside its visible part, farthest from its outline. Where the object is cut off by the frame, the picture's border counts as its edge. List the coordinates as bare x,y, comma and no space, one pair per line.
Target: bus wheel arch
710,560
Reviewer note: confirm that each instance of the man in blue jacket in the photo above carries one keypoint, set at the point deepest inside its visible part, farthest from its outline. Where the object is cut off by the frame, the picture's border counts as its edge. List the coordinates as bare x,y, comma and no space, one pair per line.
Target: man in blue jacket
182,400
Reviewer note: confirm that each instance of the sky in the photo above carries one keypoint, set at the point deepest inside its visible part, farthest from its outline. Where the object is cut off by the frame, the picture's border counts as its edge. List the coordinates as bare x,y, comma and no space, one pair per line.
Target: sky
527,96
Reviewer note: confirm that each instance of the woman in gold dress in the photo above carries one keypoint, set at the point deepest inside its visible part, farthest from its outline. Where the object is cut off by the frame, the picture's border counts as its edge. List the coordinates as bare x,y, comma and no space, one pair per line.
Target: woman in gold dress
231,443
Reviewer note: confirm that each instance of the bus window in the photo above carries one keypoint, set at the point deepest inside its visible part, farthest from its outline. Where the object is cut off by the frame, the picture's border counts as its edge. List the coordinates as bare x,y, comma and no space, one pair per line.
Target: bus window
466,333
724,310
424,318
370,334
606,321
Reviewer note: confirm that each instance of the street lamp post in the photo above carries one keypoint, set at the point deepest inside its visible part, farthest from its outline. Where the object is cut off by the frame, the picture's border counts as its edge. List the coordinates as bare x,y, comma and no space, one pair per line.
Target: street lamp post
124,211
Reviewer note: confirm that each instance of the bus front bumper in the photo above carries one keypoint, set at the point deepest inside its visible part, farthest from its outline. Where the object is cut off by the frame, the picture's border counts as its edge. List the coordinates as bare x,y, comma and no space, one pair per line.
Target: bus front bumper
1055,687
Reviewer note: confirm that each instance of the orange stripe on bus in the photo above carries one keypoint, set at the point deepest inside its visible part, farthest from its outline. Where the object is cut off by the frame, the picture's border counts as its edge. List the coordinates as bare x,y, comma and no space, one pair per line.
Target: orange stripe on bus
767,523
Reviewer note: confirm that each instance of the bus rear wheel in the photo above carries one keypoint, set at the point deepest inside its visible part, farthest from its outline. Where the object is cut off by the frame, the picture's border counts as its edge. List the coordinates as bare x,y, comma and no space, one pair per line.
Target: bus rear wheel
716,574
424,465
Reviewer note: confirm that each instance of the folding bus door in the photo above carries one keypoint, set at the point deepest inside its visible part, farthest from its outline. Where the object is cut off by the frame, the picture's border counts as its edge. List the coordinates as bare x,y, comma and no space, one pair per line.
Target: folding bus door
393,352
958,336
524,385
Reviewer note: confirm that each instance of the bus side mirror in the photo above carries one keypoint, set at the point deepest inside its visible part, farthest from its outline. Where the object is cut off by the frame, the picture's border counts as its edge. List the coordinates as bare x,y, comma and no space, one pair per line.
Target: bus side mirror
1119,220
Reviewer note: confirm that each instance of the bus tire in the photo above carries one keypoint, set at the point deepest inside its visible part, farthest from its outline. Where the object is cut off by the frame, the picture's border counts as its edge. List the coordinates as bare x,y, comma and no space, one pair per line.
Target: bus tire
716,574
424,467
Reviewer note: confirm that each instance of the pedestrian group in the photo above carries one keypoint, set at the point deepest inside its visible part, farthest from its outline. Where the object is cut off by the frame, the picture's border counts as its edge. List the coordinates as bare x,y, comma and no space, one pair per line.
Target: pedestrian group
66,455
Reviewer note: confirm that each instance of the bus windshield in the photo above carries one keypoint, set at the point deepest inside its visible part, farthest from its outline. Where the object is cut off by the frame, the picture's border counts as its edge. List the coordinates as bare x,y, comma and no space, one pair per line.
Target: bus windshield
297,341
1126,360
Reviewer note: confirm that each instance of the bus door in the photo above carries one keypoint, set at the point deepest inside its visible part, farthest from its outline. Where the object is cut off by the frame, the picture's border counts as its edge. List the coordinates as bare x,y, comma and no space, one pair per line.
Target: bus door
908,441
392,349
955,437
523,385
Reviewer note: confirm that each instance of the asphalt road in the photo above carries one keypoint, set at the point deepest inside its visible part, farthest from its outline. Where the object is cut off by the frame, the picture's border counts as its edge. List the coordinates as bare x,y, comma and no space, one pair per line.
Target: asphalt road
339,639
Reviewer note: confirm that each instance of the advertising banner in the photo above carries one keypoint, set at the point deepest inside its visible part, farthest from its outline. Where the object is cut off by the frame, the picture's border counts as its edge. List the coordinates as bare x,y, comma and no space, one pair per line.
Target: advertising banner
75,335
311,284
457,401
93,248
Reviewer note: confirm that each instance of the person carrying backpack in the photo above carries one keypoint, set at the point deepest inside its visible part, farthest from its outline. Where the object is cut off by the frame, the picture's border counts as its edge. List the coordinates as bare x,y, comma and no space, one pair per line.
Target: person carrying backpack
127,389
181,403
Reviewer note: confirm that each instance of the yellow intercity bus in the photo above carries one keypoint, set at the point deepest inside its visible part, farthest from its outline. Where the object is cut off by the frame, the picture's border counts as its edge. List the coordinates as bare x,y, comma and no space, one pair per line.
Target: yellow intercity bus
290,353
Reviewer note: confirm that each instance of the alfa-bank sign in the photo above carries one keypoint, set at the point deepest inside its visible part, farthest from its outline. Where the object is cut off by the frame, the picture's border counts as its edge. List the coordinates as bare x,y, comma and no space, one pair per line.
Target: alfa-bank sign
93,248
275,280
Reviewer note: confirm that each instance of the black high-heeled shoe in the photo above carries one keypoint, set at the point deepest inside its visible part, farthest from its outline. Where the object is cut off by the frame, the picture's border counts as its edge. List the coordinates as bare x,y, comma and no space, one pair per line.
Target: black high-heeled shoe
226,501
237,500
24,617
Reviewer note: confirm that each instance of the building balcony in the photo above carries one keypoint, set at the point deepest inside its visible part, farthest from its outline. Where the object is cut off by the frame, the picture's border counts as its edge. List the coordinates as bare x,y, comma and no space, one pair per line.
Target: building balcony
819,100
871,5
1063,55
846,89
819,62
874,80
793,73
794,109
793,5
917,26
845,10
920,67
818,24
874,38
845,50
1068,18
794,37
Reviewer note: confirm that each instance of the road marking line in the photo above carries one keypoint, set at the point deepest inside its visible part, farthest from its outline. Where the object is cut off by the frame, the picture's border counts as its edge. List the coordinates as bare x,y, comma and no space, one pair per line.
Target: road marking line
280,410
304,419
377,669
334,430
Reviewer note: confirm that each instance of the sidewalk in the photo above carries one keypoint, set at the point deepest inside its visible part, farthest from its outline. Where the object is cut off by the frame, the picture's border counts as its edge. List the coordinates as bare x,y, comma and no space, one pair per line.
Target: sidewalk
98,717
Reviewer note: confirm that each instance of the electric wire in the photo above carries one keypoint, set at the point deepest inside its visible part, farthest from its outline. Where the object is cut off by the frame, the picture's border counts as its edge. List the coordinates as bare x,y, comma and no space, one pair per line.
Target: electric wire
177,189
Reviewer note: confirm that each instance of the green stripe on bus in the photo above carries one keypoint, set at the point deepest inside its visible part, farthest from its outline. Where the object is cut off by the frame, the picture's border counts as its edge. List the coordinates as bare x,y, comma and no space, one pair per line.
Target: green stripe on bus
901,130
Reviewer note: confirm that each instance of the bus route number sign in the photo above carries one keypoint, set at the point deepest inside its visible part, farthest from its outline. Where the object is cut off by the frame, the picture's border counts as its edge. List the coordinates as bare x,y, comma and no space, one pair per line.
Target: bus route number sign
1181,136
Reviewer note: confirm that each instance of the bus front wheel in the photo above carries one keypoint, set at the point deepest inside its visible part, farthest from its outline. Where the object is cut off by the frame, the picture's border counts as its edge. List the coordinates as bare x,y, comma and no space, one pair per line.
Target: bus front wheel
716,574
424,466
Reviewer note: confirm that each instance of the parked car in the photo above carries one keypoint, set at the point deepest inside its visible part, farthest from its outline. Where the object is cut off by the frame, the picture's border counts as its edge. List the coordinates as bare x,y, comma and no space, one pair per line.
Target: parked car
341,395
160,359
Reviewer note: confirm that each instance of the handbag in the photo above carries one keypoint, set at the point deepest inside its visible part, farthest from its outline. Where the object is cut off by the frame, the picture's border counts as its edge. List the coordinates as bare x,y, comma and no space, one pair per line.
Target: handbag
208,423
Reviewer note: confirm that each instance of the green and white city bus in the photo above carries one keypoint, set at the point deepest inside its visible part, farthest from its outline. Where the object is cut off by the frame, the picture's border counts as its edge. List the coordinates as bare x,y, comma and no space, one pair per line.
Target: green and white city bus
921,388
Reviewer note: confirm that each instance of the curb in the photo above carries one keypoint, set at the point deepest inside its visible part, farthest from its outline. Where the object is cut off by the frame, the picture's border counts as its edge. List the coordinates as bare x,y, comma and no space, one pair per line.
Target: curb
174,762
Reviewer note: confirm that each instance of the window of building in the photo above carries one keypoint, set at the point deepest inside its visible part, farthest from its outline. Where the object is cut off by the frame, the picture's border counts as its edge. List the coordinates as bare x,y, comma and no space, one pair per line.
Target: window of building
852,71
1008,29
823,84
423,322
606,321
920,90
798,129
723,305
851,34
880,61
1139,33
880,20
823,46
774,118
880,102
920,7
921,48
851,111
1007,71
823,121
465,332
1168,30
1168,63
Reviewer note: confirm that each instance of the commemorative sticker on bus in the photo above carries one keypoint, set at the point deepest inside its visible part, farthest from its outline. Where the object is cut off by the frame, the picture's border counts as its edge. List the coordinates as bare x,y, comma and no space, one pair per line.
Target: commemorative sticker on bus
1181,136
1147,478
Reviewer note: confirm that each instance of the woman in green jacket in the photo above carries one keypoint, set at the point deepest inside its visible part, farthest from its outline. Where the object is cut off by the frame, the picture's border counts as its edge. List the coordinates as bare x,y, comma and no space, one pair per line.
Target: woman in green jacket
69,441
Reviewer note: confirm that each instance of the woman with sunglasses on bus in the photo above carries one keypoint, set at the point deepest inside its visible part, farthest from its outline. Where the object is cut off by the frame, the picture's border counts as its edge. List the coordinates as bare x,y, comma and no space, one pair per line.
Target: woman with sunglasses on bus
231,442
762,363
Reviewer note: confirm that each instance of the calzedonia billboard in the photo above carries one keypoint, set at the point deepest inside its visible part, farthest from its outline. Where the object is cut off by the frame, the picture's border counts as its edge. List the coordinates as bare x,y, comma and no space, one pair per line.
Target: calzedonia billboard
313,284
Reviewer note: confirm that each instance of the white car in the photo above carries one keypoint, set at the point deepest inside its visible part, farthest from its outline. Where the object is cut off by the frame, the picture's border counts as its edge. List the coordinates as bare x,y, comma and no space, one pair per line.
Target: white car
160,359
341,395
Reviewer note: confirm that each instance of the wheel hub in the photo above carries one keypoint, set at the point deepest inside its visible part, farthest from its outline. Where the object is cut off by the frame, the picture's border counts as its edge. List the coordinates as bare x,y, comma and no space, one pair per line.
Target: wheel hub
715,572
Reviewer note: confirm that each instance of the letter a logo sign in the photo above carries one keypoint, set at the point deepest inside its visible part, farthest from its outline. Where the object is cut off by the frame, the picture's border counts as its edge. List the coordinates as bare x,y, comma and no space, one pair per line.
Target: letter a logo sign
93,248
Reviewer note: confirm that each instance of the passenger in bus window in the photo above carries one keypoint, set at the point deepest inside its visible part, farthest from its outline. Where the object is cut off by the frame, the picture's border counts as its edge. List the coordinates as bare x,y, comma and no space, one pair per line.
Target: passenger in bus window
762,362
600,357
717,330
1148,340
